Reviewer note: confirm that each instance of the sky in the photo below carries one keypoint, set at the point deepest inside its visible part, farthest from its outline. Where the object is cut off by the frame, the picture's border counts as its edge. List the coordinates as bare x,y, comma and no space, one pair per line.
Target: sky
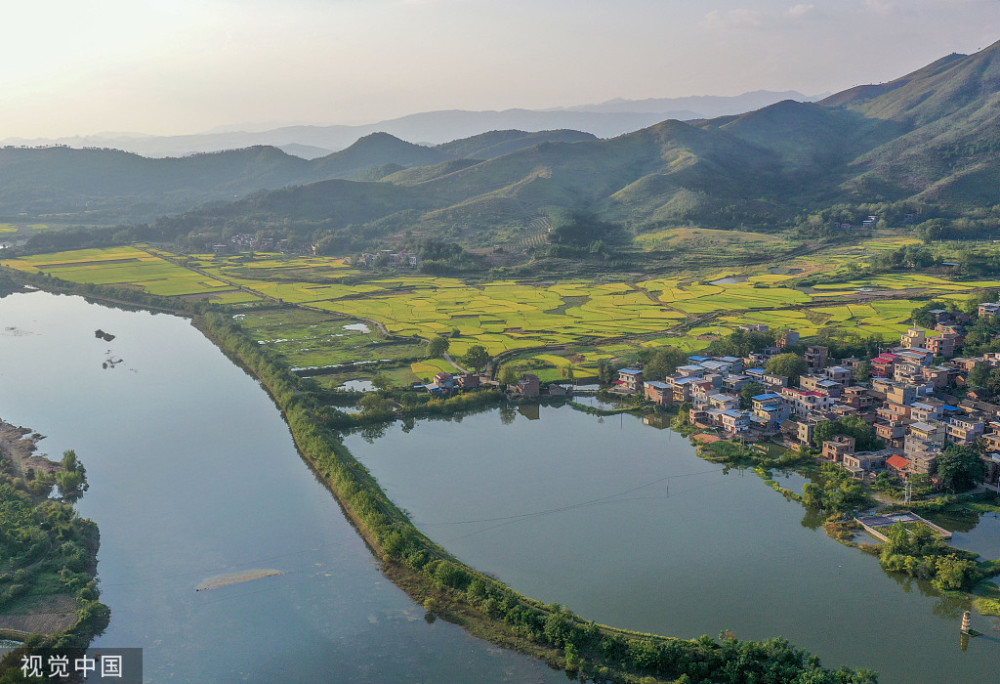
169,67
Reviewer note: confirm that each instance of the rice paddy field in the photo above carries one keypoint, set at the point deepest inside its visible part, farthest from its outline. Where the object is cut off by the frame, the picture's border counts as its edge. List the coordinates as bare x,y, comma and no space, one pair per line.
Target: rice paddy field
320,312
127,267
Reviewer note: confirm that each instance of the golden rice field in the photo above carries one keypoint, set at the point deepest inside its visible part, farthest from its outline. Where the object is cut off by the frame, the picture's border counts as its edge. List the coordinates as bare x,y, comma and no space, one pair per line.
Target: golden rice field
686,311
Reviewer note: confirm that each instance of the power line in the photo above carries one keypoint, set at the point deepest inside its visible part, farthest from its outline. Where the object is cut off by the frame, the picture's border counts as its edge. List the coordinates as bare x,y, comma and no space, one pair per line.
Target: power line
578,504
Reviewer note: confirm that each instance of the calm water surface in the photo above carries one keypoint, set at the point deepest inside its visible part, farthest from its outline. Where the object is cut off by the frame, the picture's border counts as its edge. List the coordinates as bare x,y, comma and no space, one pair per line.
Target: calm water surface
193,474
626,525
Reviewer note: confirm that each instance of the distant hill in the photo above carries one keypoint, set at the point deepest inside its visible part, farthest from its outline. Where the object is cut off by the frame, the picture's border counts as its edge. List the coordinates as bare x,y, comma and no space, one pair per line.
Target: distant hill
109,186
603,120
696,107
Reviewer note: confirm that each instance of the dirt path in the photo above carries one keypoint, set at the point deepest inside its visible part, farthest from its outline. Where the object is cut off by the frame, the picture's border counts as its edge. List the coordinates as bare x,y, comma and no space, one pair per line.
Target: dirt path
18,445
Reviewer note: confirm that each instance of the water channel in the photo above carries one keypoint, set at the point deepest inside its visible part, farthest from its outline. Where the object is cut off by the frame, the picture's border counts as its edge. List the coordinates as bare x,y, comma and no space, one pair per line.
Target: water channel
625,524
194,474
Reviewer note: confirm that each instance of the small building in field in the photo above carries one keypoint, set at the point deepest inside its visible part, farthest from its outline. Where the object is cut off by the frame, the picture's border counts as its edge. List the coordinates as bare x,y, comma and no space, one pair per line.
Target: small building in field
468,381
528,386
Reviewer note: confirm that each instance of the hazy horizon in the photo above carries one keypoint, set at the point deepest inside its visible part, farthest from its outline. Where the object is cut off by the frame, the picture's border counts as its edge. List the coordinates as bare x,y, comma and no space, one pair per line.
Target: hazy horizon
180,67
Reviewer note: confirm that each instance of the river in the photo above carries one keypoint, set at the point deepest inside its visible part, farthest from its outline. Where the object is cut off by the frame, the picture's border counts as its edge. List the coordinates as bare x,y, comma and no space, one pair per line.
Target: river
626,525
193,474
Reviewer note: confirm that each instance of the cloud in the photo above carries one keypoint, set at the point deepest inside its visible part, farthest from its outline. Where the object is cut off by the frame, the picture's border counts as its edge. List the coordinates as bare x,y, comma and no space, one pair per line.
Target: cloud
802,10
734,19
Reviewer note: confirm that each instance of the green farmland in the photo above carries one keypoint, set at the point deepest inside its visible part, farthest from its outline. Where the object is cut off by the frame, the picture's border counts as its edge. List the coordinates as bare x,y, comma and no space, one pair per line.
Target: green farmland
320,312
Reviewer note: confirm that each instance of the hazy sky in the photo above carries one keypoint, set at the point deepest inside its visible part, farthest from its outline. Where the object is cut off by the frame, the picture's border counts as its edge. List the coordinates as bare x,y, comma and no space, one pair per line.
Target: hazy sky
185,66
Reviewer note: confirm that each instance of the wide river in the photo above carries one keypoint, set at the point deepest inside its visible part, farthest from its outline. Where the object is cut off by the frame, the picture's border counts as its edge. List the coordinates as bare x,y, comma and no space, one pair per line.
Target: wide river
194,474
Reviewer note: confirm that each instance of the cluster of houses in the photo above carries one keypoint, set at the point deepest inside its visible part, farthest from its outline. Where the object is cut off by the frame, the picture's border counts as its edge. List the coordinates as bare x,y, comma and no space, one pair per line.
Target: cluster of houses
529,386
387,257
904,400
247,242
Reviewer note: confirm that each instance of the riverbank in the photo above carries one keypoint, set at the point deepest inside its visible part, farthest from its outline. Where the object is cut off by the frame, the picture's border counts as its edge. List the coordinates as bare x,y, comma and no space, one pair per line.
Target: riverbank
486,607
48,554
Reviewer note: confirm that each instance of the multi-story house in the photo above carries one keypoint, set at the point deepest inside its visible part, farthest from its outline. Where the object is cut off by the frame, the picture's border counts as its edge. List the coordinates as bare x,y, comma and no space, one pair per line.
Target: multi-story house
630,379
804,402
892,433
964,432
819,383
835,449
923,444
882,365
943,345
815,357
841,374
660,393
914,337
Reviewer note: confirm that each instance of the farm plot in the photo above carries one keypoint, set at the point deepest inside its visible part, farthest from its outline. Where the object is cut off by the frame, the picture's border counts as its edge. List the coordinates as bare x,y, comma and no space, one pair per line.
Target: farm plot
307,339
122,266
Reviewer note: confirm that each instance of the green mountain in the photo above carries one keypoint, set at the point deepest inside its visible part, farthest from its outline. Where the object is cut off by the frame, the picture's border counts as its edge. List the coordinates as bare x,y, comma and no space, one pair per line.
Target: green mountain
107,186
928,139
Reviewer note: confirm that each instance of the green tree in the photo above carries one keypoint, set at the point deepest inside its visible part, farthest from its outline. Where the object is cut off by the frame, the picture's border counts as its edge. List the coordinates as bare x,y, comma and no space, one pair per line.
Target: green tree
662,362
865,437
508,376
979,376
748,393
381,381
960,468
606,373
476,357
863,372
789,365
437,347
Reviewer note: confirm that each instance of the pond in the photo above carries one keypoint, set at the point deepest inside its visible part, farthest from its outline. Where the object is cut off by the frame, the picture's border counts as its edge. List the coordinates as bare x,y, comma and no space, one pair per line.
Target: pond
977,533
628,526
603,404
193,474
729,280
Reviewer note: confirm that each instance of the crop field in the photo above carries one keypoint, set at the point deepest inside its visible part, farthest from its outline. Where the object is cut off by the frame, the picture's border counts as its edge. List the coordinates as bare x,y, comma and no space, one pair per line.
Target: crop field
307,339
314,306
707,239
123,266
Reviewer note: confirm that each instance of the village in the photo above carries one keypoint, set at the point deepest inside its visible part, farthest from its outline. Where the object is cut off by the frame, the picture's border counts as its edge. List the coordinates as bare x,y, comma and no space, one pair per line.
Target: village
907,400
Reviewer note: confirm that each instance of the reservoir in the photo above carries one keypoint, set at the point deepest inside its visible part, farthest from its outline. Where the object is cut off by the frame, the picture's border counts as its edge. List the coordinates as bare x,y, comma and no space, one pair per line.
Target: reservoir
626,525
194,476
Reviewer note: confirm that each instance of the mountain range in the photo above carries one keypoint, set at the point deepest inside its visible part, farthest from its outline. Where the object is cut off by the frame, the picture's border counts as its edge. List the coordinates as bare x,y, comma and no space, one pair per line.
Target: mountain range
603,120
928,139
